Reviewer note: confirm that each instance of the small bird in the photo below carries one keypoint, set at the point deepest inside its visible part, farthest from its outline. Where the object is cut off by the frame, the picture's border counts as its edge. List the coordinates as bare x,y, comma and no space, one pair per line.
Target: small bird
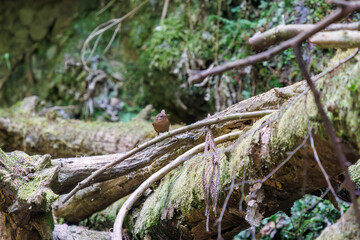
161,122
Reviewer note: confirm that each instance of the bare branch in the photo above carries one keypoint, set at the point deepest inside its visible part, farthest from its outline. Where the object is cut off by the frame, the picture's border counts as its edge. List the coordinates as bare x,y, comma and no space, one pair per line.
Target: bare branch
329,128
105,8
219,220
112,38
316,156
336,39
203,123
281,33
344,10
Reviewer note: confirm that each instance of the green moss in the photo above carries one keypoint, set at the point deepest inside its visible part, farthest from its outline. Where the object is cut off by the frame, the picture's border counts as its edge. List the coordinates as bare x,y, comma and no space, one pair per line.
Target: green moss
186,194
49,220
354,171
179,190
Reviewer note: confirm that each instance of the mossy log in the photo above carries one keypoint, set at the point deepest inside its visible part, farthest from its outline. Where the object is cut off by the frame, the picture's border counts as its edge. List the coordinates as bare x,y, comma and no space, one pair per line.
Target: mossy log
139,167
176,207
25,209
22,128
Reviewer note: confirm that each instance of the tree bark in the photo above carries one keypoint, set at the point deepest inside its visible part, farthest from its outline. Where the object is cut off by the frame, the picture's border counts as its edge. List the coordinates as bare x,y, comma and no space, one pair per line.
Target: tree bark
21,128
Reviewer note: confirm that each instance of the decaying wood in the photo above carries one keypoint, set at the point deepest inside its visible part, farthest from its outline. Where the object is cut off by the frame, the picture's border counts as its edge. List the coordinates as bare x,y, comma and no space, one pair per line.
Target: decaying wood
58,137
234,117
343,10
157,176
281,33
100,195
337,39
259,149
25,209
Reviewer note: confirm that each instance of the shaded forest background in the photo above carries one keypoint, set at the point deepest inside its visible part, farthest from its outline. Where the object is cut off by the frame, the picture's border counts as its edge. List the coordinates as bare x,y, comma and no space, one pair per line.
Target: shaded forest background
148,62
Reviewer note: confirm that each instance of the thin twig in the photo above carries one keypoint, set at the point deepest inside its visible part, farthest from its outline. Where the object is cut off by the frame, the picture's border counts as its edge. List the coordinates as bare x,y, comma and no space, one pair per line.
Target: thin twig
290,155
219,220
232,186
316,156
94,47
104,8
164,11
157,176
217,33
242,116
112,38
264,179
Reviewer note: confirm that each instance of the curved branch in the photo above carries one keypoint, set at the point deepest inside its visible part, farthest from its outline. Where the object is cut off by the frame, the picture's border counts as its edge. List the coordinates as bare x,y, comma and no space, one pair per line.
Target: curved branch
203,123
329,129
157,176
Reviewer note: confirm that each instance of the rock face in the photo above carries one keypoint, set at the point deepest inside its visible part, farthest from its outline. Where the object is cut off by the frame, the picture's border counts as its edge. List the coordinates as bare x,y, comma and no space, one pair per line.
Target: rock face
30,31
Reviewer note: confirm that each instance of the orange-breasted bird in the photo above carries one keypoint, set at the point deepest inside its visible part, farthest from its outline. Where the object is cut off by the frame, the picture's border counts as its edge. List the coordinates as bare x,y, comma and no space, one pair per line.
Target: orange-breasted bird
161,122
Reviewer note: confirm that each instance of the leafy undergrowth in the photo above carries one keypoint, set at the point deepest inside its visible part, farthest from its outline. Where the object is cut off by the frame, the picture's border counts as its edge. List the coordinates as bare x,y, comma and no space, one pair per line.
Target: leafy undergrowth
309,216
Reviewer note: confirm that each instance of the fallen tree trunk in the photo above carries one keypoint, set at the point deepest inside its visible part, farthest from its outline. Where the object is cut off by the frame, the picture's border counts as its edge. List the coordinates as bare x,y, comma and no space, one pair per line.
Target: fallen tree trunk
156,157
178,200
115,189
176,208
21,128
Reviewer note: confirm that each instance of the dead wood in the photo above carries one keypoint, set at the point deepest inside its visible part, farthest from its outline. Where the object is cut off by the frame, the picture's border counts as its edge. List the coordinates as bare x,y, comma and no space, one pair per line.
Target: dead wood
343,10
23,129
281,33
337,39
25,209
257,146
